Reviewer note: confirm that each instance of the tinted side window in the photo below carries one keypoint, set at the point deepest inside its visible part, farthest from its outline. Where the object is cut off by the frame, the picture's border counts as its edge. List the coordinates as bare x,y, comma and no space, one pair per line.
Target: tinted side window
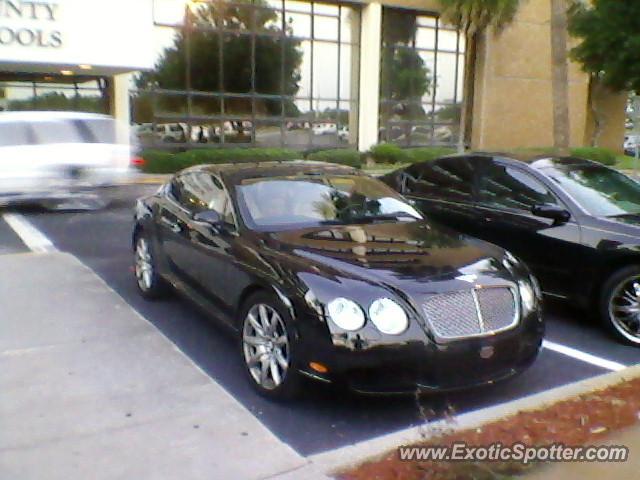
203,191
178,191
508,187
446,179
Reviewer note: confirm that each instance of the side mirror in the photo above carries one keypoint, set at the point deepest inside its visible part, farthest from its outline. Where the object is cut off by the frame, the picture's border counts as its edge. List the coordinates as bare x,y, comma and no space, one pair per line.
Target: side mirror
552,212
208,216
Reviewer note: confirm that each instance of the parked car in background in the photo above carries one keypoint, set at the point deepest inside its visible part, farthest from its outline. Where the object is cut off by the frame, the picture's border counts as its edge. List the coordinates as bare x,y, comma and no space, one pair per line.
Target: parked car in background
343,133
171,132
574,222
326,273
631,142
57,158
324,128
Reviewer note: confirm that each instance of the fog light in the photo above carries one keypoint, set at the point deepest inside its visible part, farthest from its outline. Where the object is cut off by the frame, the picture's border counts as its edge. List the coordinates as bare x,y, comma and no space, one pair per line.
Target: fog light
318,367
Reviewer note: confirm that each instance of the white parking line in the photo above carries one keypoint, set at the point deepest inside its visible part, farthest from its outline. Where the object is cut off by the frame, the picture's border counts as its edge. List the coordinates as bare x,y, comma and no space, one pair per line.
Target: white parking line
30,235
583,356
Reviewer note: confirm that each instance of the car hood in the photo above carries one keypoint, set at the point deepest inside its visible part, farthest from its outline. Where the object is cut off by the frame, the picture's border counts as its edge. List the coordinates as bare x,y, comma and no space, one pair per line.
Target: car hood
411,256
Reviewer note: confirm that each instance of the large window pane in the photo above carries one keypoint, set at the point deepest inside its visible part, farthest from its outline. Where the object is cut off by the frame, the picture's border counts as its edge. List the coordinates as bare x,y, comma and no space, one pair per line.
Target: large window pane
420,83
266,72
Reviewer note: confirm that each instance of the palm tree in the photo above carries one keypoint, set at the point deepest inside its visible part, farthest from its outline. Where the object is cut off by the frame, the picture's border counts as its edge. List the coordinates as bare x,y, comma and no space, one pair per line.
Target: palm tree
474,17
560,76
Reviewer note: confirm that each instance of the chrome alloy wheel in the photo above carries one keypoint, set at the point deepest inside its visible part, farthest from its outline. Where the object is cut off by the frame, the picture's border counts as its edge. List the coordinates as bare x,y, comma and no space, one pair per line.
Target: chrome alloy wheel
266,346
144,265
624,308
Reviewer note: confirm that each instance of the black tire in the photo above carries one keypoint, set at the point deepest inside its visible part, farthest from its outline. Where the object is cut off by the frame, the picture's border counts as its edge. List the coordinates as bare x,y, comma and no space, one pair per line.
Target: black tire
618,282
290,381
153,286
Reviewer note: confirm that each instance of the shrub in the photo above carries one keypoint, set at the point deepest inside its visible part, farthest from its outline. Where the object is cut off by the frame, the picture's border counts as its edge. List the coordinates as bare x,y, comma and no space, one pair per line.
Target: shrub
600,155
341,156
239,155
389,153
424,154
157,161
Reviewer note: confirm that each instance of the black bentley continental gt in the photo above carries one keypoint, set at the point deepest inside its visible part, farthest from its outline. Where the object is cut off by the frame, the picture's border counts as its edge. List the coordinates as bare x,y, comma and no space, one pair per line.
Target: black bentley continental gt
324,272
574,222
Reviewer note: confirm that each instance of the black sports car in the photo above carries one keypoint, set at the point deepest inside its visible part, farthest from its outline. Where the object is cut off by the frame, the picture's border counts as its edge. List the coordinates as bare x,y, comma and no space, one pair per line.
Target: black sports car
327,273
576,223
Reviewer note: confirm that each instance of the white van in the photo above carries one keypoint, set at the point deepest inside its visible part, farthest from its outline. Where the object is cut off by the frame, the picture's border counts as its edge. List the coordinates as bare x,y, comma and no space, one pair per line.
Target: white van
52,157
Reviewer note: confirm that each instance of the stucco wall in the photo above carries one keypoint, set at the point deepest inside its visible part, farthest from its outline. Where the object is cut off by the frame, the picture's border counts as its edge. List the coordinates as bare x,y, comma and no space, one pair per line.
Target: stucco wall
513,104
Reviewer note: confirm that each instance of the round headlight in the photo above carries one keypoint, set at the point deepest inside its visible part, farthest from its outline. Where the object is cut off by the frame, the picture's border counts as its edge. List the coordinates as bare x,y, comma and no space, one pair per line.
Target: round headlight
527,295
388,316
346,314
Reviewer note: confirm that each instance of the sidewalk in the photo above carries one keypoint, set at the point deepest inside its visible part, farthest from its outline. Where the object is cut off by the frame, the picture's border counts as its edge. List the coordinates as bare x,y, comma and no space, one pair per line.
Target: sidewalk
90,390
596,471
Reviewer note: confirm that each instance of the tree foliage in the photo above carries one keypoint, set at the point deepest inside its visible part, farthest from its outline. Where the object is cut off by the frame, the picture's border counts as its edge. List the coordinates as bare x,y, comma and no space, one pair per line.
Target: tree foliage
275,73
474,16
609,48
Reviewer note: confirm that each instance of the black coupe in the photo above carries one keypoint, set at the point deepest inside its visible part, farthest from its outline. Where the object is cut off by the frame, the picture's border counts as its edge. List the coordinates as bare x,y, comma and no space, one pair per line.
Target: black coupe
576,223
327,273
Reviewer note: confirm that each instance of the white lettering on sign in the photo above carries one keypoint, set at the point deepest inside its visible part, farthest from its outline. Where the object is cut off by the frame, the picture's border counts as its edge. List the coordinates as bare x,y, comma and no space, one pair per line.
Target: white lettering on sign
35,10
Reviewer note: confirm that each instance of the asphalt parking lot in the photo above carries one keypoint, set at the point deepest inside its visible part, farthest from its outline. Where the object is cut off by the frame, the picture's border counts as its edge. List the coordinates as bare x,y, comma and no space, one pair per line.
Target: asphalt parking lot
324,418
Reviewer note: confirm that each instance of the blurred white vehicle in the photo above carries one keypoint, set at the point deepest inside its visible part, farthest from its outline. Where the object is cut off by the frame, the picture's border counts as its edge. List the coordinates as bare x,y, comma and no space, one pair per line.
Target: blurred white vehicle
58,159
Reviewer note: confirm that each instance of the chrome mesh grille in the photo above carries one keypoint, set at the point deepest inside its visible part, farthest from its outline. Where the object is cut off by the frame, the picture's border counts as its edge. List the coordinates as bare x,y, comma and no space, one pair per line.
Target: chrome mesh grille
497,307
453,315
468,313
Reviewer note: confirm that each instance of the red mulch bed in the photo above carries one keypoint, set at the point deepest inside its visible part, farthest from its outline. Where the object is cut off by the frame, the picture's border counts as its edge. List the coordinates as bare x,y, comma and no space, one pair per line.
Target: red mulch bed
587,419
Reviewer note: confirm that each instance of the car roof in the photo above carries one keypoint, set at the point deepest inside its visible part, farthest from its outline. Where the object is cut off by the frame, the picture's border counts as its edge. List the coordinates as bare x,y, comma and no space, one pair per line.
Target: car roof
534,160
236,172
42,116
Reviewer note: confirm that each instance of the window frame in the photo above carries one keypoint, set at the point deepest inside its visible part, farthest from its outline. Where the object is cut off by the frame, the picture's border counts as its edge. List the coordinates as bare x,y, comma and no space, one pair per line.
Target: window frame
253,96
425,22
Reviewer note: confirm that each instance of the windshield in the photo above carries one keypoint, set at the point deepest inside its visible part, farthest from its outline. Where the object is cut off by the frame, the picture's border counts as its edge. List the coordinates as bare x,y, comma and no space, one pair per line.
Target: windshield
298,201
600,191
99,130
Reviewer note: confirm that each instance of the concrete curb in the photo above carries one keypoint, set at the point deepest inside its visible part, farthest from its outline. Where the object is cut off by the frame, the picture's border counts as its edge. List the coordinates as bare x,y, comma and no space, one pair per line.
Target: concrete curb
322,465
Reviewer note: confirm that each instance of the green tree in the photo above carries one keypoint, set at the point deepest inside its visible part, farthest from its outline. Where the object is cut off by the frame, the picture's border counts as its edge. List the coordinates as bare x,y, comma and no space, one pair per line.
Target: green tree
194,59
474,18
608,32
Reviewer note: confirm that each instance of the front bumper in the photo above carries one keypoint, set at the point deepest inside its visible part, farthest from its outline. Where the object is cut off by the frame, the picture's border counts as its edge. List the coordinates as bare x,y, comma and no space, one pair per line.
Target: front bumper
422,364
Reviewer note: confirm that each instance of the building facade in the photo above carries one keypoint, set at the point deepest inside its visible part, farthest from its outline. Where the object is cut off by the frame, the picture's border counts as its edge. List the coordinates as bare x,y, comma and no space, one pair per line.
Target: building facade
290,73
